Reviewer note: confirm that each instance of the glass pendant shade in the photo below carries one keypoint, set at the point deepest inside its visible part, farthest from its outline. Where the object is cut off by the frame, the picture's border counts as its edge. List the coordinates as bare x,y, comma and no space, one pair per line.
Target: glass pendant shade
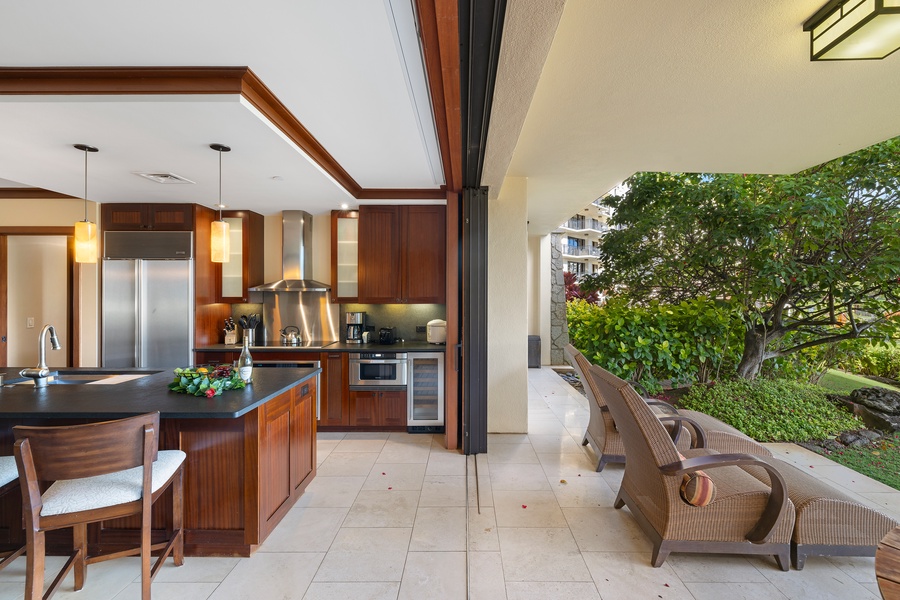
85,242
85,231
855,30
219,242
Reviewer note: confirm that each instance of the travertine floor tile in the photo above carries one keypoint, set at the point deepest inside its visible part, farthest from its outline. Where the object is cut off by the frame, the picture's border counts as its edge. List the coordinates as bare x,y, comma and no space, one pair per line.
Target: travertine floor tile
328,492
366,554
269,575
527,509
434,575
395,476
304,530
551,590
629,576
601,529
443,490
486,576
439,529
541,554
344,591
383,508
347,464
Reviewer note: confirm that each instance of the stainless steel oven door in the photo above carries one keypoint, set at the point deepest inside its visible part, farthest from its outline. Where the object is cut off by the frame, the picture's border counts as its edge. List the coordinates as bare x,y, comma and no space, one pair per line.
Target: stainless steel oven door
287,364
378,369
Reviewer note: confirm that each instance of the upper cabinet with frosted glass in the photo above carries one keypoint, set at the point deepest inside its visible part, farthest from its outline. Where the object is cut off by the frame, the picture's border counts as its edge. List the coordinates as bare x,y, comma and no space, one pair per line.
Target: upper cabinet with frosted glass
245,266
344,256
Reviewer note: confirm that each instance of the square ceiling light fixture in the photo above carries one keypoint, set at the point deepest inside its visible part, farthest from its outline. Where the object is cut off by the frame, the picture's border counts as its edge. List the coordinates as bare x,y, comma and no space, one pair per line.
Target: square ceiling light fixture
854,30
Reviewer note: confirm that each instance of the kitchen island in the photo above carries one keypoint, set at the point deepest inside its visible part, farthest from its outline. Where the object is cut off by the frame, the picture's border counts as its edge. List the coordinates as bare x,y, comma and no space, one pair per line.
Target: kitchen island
250,452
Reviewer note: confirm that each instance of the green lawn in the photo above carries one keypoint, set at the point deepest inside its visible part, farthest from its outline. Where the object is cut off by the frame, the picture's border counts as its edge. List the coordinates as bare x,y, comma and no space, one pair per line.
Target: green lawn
880,462
844,383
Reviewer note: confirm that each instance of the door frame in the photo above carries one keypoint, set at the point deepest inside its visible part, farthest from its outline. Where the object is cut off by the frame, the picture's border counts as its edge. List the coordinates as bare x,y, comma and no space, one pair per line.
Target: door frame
73,291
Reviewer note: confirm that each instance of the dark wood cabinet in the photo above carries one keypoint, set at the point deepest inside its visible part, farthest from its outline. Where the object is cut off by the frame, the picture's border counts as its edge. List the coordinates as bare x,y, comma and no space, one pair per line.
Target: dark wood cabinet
245,267
402,254
376,409
137,217
379,254
424,254
287,451
334,409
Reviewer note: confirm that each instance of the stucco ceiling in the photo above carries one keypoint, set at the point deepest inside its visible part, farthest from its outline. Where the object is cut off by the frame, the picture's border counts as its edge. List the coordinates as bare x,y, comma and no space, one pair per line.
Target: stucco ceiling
694,85
337,66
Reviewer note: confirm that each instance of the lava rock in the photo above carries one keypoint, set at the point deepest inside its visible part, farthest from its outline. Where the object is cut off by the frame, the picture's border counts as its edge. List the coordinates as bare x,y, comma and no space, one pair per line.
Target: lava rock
853,439
879,399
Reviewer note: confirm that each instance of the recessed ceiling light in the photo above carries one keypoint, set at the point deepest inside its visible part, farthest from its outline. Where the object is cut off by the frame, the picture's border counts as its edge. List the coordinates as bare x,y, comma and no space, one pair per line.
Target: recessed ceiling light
345,206
165,178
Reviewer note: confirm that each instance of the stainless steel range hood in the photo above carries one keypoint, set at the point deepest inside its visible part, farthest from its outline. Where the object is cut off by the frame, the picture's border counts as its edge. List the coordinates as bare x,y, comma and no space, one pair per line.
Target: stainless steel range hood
296,256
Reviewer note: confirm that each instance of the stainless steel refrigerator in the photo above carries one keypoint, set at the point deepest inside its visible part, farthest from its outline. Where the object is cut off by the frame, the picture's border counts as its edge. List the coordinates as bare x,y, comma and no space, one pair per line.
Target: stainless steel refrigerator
148,299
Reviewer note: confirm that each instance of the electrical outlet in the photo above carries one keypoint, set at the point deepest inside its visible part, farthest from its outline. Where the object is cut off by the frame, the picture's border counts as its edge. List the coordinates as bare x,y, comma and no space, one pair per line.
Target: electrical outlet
420,329
29,322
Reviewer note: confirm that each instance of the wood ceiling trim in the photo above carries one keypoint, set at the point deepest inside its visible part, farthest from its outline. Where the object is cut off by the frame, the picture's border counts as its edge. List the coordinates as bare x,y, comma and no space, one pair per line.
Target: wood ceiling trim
402,194
37,81
120,80
30,193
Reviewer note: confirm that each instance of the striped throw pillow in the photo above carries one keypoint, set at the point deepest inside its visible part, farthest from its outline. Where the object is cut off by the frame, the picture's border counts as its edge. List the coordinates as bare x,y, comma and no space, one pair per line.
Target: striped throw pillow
697,488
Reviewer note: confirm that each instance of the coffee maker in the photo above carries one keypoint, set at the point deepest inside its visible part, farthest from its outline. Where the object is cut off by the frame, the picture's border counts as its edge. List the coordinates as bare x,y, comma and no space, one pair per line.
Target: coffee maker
356,324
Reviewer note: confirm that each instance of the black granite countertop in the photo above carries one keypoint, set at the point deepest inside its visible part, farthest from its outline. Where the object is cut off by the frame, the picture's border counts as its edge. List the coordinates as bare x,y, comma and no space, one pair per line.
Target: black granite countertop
334,347
146,394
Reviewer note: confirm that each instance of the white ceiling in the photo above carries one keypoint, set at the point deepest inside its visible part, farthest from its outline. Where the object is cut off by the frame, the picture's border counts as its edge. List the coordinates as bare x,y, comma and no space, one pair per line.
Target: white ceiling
337,66
693,85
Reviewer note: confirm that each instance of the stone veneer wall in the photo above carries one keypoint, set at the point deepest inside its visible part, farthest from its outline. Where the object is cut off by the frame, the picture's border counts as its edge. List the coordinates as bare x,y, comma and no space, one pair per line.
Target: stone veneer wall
559,329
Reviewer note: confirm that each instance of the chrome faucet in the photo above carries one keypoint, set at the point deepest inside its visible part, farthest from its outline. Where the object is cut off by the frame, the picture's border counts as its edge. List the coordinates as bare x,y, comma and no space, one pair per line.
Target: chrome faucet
41,372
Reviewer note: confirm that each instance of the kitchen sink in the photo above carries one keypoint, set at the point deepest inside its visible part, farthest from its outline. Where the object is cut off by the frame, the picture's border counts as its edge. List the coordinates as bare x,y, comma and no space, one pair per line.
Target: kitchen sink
78,379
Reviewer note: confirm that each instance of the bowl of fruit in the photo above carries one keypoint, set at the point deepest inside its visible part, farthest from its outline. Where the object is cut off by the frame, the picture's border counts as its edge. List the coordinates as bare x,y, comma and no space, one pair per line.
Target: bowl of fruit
206,381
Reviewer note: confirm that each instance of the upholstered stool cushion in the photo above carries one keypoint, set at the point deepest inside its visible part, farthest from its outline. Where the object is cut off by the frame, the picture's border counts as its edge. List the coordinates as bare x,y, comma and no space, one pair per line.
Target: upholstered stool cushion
89,493
8,469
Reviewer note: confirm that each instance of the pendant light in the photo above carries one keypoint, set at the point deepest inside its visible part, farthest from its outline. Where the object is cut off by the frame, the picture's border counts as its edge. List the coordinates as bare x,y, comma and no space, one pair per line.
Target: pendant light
219,242
85,231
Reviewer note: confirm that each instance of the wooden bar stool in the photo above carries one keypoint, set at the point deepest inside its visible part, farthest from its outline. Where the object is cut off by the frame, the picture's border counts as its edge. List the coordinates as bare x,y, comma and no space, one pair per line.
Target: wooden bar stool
99,471
9,479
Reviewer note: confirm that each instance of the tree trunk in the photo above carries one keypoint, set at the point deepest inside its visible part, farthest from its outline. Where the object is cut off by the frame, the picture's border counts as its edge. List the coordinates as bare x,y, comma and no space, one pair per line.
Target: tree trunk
754,351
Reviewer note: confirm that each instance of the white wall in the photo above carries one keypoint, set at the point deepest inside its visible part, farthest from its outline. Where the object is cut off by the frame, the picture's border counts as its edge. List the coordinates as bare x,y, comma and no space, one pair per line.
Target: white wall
55,212
37,291
507,309
539,292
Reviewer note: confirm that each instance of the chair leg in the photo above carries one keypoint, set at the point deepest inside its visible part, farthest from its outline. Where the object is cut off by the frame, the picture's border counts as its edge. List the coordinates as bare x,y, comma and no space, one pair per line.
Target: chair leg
585,441
620,502
145,554
660,554
34,565
79,544
11,557
601,464
178,517
783,560
798,557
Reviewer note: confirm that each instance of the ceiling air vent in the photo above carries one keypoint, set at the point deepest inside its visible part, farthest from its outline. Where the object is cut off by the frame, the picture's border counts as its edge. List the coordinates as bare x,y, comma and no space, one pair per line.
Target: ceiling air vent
165,178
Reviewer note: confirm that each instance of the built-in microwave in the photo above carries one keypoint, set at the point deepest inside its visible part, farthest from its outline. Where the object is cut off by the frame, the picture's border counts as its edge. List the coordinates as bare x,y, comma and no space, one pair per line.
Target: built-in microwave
378,369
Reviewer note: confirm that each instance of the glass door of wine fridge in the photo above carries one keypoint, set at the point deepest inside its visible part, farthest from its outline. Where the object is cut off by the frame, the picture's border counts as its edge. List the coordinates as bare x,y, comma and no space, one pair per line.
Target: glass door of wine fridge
425,391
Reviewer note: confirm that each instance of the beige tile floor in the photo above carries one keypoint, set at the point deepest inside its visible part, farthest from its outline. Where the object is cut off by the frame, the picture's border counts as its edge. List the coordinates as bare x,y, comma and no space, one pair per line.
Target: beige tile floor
395,516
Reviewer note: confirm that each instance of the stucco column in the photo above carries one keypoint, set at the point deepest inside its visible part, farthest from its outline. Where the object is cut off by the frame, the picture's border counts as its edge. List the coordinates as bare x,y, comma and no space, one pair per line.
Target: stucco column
507,309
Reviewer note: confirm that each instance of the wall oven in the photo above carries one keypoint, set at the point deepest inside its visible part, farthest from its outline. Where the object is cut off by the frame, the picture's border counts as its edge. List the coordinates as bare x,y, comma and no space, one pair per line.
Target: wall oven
295,364
377,369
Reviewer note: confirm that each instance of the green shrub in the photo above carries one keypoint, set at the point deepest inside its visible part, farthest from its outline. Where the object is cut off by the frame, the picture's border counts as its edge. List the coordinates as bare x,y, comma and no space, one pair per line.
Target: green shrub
685,343
882,360
770,410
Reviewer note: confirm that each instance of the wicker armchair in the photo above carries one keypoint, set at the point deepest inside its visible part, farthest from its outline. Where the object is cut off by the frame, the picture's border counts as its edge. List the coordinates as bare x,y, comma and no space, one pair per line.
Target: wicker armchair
745,517
604,437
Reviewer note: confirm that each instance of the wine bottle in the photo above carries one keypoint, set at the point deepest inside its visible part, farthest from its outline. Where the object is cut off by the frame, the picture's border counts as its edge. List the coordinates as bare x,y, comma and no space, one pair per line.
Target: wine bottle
245,361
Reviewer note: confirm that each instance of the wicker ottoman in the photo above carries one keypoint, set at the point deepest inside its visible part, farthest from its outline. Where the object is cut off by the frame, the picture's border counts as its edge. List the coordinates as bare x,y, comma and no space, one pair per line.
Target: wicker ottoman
828,522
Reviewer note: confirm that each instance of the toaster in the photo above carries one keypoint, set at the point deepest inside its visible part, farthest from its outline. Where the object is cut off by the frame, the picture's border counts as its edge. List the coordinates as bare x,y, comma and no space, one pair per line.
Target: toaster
436,331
